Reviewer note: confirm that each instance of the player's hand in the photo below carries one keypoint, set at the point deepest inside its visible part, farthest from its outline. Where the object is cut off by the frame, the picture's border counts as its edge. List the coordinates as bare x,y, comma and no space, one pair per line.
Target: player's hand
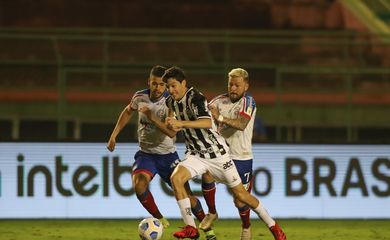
168,121
214,111
111,144
174,124
145,110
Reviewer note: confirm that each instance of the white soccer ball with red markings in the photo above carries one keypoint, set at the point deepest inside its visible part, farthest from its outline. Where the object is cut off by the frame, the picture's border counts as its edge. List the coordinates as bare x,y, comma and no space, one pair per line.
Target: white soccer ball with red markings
150,229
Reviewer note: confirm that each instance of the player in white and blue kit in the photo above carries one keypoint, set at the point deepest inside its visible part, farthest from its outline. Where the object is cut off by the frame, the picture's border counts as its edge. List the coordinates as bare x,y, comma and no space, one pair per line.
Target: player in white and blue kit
235,114
157,154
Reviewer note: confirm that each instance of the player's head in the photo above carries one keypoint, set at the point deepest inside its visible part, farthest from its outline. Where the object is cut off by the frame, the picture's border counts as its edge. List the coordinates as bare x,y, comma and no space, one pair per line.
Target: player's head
238,83
155,82
175,79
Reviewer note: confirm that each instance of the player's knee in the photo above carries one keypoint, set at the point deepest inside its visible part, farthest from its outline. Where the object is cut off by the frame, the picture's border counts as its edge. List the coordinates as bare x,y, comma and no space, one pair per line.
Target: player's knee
141,183
177,180
207,178
238,203
240,196
140,188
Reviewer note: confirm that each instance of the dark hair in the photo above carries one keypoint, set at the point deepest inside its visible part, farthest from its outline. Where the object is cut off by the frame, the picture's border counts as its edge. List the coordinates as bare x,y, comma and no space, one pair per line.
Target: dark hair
158,71
174,72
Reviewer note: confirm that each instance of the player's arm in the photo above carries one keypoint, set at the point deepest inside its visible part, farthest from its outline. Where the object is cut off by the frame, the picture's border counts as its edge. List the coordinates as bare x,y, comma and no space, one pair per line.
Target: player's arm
123,119
238,123
242,119
199,123
157,122
199,107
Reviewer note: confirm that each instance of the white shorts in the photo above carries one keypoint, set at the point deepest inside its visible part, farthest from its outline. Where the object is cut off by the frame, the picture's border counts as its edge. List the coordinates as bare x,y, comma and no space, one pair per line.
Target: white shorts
221,168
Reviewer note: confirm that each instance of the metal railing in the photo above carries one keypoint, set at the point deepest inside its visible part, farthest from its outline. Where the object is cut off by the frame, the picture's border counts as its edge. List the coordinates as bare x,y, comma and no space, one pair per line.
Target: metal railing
70,53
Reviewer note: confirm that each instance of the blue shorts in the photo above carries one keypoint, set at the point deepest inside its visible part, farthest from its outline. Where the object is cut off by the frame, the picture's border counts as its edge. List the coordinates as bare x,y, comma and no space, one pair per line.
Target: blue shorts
245,170
152,164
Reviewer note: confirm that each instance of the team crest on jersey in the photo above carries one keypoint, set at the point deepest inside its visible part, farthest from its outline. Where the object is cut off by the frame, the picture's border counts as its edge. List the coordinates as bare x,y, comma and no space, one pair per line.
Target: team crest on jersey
160,113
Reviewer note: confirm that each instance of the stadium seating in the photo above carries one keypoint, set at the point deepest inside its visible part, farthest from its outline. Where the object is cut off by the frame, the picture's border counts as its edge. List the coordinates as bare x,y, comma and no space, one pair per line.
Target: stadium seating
299,78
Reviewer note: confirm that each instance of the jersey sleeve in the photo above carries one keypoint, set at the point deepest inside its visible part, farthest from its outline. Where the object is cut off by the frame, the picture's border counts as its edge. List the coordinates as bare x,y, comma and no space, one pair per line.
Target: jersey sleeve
199,104
215,101
135,101
248,107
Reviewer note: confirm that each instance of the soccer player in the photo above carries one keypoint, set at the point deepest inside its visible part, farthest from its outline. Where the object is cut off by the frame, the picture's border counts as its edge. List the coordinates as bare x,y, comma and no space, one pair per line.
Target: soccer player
207,152
235,113
157,154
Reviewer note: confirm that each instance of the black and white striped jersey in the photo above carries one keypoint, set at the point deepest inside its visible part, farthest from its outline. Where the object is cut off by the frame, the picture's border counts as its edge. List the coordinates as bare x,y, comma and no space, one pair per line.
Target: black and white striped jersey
206,143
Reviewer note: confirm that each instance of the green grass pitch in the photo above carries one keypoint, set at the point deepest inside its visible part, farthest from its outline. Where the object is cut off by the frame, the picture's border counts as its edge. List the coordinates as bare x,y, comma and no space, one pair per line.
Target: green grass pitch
225,229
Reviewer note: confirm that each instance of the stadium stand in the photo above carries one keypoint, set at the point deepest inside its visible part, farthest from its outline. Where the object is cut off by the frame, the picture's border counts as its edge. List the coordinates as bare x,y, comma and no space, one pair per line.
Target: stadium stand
311,86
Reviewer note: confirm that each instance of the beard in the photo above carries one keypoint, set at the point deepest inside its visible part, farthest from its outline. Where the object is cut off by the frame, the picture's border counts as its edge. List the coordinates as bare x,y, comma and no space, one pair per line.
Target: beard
156,95
235,97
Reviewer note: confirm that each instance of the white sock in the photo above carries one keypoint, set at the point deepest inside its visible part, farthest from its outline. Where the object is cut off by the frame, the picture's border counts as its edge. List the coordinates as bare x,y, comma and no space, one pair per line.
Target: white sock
263,214
185,210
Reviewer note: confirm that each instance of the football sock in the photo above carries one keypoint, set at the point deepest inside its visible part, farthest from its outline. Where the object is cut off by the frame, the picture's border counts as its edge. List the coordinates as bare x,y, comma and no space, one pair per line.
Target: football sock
263,214
244,215
147,200
208,190
185,210
197,210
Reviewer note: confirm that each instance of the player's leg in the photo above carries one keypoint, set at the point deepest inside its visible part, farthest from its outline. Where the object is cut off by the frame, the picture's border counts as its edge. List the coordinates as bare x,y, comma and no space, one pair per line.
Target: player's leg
141,182
208,190
224,170
244,168
189,168
144,170
165,164
242,195
244,212
165,167
196,205
197,210
178,180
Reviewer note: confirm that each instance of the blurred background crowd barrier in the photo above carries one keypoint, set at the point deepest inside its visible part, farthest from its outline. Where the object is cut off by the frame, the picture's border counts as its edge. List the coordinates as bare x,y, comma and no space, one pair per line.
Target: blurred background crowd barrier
319,70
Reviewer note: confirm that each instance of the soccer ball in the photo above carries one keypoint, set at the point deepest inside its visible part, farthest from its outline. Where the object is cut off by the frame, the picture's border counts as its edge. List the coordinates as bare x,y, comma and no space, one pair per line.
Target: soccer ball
150,229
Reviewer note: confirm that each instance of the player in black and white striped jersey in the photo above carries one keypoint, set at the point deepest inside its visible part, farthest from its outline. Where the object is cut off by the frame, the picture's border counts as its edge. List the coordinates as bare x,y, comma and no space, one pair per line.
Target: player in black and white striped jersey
207,151
204,142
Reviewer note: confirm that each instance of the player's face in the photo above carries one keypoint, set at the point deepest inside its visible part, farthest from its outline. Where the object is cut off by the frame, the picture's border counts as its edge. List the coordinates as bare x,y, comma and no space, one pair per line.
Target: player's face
156,86
176,89
236,88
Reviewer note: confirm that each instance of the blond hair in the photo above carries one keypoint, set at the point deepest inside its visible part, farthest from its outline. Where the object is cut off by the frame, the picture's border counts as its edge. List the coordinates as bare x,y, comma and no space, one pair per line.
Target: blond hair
239,72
